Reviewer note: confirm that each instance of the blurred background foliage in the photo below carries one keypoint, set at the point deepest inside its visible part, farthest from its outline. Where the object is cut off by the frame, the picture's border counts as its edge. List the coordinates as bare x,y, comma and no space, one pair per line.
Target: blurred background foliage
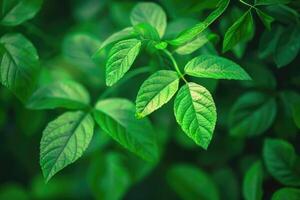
67,33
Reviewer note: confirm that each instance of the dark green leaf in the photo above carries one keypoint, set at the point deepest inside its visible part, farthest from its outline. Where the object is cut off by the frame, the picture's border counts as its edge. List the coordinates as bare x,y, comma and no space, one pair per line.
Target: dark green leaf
209,66
252,114
253,180
157,90
271,2
265,18
64,94
195,112
19,65
241,31
287,194
116,117
64,140
281,161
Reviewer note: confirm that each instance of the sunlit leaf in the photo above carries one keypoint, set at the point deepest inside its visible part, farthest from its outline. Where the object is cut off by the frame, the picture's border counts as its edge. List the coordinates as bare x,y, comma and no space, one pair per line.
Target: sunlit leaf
195,112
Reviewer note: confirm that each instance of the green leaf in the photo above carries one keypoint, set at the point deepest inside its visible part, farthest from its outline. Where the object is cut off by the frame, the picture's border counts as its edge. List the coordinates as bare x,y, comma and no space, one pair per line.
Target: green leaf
286,194
157,90
269,41
121,57
19,65
209,66
196,43
271,2
195,112
64,94
287,47
116,117
191,33
241,31
146,31
150,13
281,161
253,182
192,183
64,141
108,177
252,114
291,100
15,12
265,18
125,33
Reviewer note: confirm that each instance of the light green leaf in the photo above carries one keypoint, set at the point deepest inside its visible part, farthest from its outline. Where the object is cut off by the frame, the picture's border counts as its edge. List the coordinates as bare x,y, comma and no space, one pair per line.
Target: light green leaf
108,177
116,117
192,183
241,31
121,57
196,43
64,94
252,114
281,161
253,182
265,18
191,33
151,13
209,66
19,65
286,194
195,112
125,33
271,2
157,90
64,140
287,47
15,12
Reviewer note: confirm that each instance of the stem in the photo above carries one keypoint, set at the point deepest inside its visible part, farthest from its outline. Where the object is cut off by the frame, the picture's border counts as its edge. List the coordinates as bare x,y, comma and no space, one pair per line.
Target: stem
247,4
174,64
126,78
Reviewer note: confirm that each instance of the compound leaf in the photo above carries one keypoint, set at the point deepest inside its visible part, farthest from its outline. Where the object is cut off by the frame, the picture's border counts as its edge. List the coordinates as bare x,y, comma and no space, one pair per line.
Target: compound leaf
252,114
121,57
15,12
157,90
252,184
195,112
64,140
281,161
116,117
64,94
19,65
209,66
151,13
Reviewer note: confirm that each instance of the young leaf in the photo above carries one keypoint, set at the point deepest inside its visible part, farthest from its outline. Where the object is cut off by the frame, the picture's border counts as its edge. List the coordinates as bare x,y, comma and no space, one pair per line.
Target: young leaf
252,114
265,18
209,66
108,177
121,57
281,161
252,184
116,117
150,13
64,94
241,31
286,194
192,183
120,35
198,42
64,141
287,47
195,112
157,90
191,33
271,2
146,31
15,12
19,65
